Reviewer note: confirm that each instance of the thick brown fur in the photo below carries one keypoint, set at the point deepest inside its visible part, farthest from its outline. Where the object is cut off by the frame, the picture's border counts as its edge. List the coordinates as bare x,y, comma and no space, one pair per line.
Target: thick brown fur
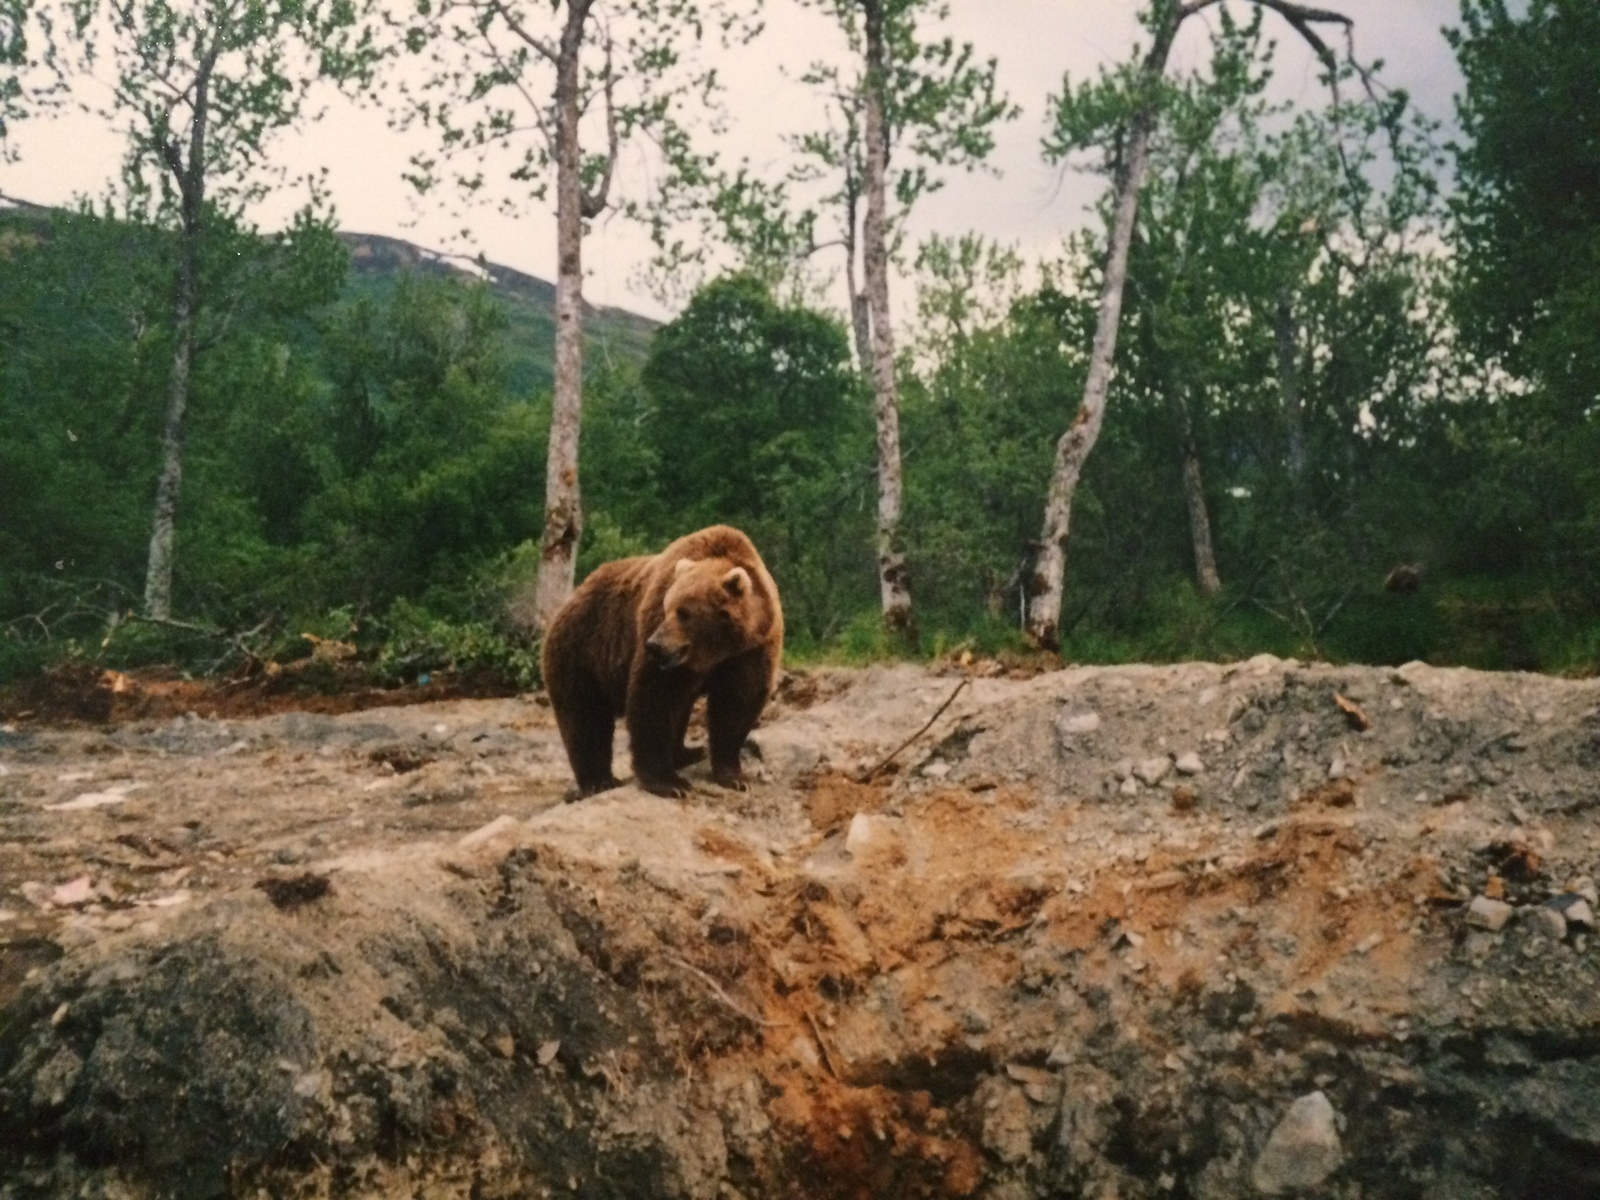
643,638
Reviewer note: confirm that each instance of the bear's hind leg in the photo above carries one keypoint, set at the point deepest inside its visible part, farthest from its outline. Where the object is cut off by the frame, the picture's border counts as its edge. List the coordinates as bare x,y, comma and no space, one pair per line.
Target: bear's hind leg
735,695
587,723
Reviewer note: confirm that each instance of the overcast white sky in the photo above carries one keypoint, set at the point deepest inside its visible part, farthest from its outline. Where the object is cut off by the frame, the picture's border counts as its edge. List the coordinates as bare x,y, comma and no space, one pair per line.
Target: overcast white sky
1028,205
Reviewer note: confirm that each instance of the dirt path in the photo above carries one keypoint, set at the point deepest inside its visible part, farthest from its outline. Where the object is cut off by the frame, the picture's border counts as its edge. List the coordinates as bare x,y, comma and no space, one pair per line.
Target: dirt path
1190,931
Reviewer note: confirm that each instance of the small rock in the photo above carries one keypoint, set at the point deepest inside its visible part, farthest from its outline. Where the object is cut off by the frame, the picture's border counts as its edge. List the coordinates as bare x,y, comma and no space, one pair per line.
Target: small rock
548,1051
1489,914
1262,832
1152,770
1123,770
1129,787
1575,909
505,1045
115,794
1182,798
1078,723
936,768
1369,943
487,833
1584,886
1189,764
1336,768
867,833
78,891
1302,1151
1550,922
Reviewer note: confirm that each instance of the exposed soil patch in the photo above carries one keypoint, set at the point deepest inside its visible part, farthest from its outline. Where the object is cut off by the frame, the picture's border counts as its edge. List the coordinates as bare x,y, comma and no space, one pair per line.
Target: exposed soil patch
1101,933
84,693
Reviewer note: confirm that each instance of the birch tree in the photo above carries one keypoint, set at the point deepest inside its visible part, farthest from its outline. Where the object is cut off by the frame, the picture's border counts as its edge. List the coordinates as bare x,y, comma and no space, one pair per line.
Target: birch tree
902,109
1118,114
13,58
532,98
199,89
30,76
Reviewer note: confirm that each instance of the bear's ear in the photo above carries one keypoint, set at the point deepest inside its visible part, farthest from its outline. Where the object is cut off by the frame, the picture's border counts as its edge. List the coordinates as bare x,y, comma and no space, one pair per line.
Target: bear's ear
682,565
736,582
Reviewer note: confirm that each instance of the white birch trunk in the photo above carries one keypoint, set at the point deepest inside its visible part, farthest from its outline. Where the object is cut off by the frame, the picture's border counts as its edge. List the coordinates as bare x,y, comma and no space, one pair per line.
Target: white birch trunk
1194,496
1287,340
1044,605
191,179
893,583
563,510
1205,557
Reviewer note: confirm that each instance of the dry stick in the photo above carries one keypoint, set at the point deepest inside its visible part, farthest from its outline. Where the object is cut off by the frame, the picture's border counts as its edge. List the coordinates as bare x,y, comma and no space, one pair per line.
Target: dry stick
827,1059
716,990
868,777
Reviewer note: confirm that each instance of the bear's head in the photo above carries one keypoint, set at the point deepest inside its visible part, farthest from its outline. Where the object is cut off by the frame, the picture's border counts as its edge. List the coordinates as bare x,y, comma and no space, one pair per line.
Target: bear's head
712,610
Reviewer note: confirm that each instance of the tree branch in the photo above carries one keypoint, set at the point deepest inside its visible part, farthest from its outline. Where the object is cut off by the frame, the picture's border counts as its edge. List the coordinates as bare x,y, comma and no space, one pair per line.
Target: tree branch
592,203
536,43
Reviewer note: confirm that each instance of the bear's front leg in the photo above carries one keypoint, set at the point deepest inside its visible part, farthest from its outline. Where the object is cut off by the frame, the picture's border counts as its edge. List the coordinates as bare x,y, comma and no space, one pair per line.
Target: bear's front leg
658,711
735,695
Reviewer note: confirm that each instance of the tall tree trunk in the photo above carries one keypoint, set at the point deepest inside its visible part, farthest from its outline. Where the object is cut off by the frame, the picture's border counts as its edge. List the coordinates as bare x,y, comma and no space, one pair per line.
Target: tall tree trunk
1044,607
1287,339
860,323
1194,495
190,176
158,569
563,509
860,310
893,582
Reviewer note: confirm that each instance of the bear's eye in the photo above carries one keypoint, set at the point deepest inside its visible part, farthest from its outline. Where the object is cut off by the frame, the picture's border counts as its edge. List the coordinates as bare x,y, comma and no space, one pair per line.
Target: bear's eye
682,614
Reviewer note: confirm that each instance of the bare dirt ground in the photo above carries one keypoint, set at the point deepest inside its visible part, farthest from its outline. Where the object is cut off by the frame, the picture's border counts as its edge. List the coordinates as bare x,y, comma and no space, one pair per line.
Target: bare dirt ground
1187,931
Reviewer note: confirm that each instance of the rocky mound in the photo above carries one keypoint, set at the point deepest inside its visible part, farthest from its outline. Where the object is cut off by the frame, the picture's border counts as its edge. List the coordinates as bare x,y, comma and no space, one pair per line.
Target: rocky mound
1190,931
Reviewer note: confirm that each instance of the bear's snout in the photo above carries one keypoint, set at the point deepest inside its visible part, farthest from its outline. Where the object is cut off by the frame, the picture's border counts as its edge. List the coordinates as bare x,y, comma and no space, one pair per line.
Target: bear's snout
664,656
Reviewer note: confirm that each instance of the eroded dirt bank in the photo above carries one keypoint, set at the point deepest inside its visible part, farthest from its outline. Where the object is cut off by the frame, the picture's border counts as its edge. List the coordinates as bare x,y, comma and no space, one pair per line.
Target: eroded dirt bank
1183,931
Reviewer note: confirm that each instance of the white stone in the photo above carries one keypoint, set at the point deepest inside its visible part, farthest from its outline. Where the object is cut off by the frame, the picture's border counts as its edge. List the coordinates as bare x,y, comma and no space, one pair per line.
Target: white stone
487,833
1123,769
1302,1151
1550,922
1152,770
1189,764
867,832
1084,722
115,794
1129,786
1580,914
936,768
1489,914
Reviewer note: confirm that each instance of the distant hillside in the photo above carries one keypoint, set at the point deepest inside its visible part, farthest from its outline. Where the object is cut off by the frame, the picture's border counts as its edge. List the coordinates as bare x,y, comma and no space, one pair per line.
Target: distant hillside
375,261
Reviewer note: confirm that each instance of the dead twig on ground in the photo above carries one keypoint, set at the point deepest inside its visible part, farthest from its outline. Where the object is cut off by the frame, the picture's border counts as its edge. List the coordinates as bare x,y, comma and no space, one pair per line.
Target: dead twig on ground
822,1044
720,994
939,712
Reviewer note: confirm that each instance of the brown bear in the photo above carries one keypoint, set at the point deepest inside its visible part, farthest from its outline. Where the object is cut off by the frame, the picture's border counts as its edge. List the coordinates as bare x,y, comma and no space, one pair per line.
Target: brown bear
642,638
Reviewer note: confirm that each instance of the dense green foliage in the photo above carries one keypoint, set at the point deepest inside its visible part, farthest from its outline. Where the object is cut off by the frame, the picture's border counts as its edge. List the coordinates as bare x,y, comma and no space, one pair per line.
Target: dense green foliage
366,453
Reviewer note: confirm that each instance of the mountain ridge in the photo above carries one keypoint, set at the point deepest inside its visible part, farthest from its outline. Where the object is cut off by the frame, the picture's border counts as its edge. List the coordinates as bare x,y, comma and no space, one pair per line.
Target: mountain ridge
376,260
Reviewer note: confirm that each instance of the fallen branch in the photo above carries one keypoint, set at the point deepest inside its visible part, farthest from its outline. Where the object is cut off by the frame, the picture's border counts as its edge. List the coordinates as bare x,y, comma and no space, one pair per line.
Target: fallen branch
717,991
816,1032
888,758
